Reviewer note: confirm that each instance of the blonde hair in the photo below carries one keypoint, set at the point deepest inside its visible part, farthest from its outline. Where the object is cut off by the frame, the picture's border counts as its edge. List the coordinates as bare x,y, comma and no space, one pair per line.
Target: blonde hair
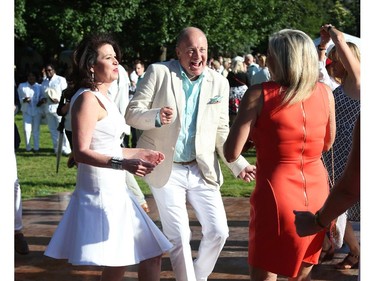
334,56
293,63
238,66
262,59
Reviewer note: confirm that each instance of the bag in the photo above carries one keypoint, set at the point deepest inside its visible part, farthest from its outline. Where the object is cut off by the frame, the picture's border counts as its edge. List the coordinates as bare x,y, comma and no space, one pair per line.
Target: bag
337,231
234,104
337,228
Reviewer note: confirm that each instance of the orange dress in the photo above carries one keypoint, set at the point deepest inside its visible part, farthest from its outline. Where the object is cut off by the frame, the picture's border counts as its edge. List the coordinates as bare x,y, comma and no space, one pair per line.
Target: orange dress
290,176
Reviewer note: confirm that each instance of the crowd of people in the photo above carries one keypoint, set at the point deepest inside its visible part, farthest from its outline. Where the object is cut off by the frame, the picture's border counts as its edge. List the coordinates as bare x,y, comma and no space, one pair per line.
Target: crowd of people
183,115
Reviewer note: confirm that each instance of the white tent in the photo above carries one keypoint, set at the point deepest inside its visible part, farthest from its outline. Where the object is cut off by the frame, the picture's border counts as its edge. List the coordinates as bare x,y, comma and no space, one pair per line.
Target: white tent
348,38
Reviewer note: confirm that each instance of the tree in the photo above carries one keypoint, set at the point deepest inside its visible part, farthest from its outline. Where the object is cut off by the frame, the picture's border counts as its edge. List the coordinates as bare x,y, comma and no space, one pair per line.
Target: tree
147,29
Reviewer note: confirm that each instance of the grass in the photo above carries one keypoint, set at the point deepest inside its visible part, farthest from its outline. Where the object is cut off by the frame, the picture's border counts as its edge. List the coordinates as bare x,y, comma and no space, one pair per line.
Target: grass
37,171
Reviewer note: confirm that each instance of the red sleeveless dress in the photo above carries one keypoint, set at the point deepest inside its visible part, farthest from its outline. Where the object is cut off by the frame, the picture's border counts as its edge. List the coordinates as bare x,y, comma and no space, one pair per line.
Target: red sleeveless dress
290,176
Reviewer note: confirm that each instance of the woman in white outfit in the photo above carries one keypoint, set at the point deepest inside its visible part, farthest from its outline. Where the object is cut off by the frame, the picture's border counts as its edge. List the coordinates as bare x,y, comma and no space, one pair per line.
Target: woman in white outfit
104,225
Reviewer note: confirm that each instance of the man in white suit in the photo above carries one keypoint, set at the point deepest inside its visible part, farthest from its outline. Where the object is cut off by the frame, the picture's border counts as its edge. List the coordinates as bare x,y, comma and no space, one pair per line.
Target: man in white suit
182,108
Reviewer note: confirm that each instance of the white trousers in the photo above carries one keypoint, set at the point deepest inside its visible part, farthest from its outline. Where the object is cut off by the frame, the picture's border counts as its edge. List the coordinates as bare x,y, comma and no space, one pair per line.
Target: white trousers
53,121
31,124
17,196
187,184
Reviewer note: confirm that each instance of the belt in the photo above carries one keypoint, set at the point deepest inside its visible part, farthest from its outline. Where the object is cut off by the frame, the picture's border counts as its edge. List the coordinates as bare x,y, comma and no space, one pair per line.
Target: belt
186,163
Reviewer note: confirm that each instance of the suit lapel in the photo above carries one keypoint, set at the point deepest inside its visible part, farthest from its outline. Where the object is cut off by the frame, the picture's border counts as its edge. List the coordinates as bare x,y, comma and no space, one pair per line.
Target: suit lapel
177,88
204,96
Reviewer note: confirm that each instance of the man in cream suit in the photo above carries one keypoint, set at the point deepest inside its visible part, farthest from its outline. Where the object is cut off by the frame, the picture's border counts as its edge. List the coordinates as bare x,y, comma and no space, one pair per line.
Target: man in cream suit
182,108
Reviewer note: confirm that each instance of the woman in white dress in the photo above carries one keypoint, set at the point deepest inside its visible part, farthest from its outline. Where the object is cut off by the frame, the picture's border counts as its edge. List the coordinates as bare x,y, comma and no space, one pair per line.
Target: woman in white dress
103,224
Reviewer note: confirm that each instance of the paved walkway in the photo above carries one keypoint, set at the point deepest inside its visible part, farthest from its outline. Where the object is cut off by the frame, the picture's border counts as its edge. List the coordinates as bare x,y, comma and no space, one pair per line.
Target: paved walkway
41,216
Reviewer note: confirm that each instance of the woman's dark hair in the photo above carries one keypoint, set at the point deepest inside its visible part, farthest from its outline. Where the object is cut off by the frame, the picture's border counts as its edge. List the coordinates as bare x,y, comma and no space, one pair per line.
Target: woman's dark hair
84,57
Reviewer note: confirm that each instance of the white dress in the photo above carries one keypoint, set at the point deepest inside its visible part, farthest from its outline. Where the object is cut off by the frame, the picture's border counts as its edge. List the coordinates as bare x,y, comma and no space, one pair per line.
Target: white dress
103,223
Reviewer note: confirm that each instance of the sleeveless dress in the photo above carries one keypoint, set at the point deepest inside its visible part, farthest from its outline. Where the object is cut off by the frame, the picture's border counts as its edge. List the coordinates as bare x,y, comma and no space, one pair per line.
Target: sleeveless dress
290,176
347,112
103,224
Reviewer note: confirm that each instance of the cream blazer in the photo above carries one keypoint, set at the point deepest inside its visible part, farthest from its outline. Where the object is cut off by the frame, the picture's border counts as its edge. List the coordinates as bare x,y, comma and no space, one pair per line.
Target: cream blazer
162,86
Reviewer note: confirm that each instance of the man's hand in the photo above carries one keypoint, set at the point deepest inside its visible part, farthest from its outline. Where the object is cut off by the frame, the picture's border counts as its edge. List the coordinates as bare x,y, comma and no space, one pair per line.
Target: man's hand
166,114
152,156
305,223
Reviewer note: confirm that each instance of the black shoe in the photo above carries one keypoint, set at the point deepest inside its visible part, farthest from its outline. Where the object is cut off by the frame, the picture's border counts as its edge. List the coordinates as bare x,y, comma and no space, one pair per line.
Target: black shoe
20,244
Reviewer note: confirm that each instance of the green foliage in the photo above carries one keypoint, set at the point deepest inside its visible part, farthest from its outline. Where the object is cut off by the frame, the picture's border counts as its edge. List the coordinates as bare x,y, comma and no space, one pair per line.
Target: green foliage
147,29
20,31
37,171
344,18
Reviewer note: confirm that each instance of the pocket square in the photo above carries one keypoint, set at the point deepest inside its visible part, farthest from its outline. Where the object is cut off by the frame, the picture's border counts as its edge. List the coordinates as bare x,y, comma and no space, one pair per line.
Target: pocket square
215,99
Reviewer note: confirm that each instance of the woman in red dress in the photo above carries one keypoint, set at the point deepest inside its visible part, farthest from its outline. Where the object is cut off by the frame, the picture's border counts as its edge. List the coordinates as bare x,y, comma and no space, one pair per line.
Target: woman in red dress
291,121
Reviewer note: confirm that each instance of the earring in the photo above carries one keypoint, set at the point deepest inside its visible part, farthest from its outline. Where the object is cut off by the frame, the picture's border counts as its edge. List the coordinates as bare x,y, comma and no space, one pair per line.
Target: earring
92,76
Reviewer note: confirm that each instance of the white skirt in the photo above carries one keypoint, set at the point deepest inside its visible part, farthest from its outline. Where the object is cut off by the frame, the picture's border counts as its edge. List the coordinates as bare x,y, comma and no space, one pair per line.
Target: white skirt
106,230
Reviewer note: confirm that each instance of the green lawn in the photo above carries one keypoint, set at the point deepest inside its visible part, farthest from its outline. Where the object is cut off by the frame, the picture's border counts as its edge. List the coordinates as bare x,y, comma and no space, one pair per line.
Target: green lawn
37,171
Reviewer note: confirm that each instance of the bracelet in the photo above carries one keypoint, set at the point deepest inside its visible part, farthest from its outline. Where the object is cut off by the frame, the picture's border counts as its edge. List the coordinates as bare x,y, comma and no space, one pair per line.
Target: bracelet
116,163
320,48
317,220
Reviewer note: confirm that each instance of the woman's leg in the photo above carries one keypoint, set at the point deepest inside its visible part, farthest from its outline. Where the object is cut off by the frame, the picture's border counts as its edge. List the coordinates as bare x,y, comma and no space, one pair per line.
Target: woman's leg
351,240
113,273
258,274
352,259
149,270
304,273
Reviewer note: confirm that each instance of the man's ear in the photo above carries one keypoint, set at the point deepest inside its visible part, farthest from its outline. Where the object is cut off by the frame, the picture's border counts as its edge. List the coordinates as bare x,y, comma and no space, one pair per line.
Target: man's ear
177,52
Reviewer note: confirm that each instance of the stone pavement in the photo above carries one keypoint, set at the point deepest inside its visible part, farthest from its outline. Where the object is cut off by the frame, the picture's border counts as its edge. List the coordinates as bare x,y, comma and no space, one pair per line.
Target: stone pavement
41,216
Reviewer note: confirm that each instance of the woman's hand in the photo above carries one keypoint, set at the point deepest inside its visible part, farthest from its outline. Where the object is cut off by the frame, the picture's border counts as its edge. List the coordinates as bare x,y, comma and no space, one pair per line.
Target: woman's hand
137,167
324,36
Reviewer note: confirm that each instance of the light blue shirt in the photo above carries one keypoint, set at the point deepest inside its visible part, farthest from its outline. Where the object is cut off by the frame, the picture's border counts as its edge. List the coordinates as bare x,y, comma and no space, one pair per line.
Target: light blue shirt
185,146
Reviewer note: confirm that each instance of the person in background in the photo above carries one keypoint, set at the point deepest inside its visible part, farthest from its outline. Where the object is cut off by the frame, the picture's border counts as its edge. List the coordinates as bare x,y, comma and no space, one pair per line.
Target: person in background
263,75
291,121
20,244
53,86
182,108
133,185
221,61
103,225
227,64
31,96
216,66
238,84
251,65
343,195
326,73
63,110
119,93
139,68
345,61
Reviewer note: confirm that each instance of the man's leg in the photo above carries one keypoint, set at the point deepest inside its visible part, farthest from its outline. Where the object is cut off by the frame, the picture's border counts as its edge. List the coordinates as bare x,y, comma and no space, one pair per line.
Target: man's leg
53,121
209,209
171,202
